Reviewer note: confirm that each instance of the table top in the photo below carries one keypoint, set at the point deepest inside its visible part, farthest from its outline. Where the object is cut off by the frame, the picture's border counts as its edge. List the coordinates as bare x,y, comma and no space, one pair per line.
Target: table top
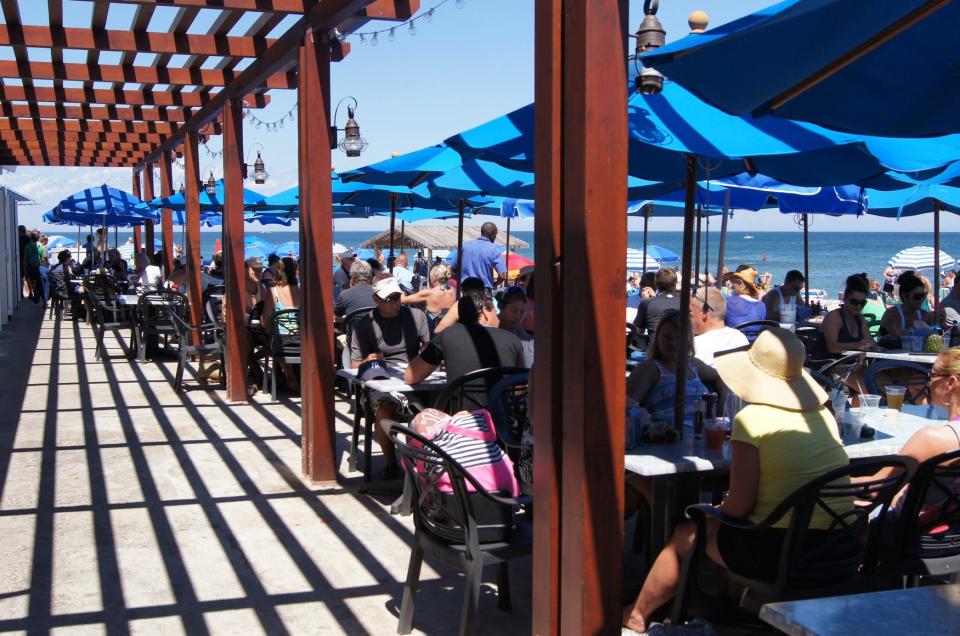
436,381
920,610
128,299
898,354
893,429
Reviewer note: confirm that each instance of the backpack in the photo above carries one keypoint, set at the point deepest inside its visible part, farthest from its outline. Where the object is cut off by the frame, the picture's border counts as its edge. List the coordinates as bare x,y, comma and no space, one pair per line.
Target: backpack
470,439
32,255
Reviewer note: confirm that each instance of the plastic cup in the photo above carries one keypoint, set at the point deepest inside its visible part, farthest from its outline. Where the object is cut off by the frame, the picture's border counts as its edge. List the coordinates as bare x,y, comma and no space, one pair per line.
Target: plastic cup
895,395
852,425
916,344
715,430
870,403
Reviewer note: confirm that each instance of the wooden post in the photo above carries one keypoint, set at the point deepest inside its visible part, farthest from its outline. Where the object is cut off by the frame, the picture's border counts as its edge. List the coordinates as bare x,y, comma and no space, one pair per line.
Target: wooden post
136,228
578,376
166,214
148,195
235,271
723,238
318,448
685,335
806,257
191,177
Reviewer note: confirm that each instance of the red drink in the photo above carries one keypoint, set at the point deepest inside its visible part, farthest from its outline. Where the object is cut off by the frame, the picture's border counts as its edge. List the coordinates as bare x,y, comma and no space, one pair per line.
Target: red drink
715,436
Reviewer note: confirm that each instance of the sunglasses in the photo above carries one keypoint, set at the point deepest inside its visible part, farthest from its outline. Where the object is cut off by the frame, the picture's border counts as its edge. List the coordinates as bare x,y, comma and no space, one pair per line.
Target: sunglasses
392,298
857,303
918,296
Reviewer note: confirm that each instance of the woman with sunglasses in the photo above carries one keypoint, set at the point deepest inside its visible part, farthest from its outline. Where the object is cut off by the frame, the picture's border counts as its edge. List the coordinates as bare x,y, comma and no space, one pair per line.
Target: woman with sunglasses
901,318
844,328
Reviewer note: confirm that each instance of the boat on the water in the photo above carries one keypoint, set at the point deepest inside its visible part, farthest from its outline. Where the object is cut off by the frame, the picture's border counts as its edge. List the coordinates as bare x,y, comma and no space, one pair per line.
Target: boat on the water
749,236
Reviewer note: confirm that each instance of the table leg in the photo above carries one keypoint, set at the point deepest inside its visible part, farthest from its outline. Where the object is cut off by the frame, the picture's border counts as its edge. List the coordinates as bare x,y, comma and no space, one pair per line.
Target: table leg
355,395
660,513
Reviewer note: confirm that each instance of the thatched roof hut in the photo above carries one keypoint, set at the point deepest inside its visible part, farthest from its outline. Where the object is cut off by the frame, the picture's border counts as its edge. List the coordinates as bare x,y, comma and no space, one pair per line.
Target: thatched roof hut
431,237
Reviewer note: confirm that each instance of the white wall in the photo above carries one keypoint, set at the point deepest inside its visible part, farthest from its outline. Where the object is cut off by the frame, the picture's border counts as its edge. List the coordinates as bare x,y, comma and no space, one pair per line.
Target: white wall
9,257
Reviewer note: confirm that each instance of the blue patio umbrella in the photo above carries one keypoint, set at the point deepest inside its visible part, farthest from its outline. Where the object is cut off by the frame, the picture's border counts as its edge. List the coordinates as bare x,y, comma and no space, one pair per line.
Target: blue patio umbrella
214,203
56,242
258,251
104,206
288,248
409,169
882,68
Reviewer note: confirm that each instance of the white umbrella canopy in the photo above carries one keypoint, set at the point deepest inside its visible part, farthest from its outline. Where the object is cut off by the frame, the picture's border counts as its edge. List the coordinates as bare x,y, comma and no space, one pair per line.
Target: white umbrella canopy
920,257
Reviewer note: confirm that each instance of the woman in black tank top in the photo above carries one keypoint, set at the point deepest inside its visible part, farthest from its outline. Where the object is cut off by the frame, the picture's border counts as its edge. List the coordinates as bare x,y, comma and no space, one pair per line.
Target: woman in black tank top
844,328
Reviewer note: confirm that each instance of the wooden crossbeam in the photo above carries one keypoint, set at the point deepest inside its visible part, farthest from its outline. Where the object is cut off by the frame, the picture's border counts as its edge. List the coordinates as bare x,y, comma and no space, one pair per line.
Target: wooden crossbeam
131,41
87,125
108,96
65,153
269,6
86,111
54,160
78,145
119,138
134,74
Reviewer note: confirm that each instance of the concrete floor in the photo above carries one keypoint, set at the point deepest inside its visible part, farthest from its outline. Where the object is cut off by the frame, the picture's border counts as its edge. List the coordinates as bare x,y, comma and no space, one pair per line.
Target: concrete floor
125,507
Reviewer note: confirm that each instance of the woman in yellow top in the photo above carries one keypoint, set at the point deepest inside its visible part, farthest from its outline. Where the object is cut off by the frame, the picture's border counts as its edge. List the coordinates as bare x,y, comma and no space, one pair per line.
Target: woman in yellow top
784,438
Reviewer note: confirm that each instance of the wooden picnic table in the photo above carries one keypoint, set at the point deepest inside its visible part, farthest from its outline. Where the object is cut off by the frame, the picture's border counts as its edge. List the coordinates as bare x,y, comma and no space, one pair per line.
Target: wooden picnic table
917,611
675,469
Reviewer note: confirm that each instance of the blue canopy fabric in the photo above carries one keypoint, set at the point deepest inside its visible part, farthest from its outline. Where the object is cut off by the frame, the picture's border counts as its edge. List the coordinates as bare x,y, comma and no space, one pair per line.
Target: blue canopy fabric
408,169
287,248
412,215
101,206
904,87
912,201
56,241
207,203
663,128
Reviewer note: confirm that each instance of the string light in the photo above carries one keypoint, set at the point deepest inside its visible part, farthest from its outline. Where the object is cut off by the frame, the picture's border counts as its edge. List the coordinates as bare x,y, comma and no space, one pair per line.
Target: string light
372,37
460,3
256,122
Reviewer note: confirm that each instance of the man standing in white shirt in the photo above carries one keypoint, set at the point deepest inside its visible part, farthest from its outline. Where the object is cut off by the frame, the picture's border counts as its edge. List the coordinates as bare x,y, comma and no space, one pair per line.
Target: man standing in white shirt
711,335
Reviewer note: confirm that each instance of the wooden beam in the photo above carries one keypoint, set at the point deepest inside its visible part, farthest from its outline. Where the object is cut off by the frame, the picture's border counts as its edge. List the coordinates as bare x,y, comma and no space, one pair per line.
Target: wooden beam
166,214
235,270
133,148
132,41
269,6
87,111
278,57
65,155
581,177
95,126
69,163
148,196
115,96
318,417
55,136
191,177
134,74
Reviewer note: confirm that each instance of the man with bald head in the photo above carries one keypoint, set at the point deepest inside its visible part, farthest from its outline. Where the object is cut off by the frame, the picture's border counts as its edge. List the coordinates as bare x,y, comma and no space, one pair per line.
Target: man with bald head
481,258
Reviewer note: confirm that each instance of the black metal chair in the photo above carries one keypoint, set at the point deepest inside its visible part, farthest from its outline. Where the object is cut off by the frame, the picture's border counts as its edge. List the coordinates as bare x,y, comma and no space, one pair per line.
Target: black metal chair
927,537
206,344
355,389
109,316
60,294
98,287
462,529
838,370
471,390
284,346
914,377
153,320
752,328
837,560
511,415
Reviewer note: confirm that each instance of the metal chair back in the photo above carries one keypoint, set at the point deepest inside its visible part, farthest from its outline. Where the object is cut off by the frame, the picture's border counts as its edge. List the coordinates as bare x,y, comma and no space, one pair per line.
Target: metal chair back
472,390
915,377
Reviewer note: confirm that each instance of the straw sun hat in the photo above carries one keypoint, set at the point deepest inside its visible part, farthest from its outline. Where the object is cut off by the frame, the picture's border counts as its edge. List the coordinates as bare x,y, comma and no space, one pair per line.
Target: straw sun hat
771,372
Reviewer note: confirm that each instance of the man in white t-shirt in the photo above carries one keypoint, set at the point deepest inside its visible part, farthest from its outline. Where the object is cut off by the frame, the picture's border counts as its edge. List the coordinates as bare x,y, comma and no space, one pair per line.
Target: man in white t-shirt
711,336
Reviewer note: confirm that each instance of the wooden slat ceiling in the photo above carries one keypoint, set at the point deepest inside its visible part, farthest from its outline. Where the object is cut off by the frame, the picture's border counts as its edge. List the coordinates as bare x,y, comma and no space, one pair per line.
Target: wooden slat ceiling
138,88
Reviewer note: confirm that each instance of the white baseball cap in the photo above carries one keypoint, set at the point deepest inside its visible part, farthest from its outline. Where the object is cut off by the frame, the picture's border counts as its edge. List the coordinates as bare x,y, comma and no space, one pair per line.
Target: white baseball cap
386,286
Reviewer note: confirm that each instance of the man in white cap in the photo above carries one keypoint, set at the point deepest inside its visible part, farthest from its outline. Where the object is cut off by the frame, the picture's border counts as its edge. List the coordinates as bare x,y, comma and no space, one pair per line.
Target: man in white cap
341,277
391,333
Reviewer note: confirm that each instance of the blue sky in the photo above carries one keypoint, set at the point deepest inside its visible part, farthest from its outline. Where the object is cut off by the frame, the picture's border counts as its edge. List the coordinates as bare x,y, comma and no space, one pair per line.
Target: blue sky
465,66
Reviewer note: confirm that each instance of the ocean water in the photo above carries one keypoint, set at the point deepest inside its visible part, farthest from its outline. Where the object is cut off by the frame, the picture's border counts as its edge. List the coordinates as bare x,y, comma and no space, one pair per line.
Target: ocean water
833,255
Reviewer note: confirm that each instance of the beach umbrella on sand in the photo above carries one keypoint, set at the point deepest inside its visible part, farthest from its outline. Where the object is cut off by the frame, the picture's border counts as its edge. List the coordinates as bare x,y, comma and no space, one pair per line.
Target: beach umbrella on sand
58,242
290,248
920,257
515,262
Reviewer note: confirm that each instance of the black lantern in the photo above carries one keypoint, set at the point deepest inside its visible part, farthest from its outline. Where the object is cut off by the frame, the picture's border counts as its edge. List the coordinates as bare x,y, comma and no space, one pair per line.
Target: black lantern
211,187
352,143
259,171
651,35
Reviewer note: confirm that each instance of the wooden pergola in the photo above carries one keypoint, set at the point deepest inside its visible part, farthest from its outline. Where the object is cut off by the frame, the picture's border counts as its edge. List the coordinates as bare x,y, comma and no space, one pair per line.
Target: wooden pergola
57,113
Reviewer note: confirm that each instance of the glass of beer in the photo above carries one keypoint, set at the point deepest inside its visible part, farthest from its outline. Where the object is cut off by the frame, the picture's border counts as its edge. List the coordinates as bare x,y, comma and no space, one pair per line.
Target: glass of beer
895,396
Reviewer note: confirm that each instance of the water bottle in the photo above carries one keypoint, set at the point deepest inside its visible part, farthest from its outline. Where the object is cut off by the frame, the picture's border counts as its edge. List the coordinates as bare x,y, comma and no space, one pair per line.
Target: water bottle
699,414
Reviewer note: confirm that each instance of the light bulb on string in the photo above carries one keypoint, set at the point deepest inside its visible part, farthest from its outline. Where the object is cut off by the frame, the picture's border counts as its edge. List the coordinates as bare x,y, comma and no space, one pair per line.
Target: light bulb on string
363,40
281,123
413,28
392,35
374,41
460,3
428,17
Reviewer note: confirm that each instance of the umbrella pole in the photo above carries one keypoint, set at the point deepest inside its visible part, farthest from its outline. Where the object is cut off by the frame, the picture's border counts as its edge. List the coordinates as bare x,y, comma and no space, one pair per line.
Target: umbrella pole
393,225
506,256
706,257
646,225
403,227
459,245
806,257
935,283
696,268
723,237
685,335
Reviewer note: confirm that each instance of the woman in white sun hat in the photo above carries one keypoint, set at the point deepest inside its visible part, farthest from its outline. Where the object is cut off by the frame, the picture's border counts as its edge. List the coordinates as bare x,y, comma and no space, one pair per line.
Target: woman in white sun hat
781,440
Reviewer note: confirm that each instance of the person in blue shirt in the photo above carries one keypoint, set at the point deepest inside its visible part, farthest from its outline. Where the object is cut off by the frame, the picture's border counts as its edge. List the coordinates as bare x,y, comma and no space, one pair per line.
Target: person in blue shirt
481,257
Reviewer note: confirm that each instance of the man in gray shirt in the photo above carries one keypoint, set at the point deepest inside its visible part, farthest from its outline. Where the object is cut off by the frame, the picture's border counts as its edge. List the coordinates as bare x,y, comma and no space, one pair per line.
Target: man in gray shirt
360,294
950,305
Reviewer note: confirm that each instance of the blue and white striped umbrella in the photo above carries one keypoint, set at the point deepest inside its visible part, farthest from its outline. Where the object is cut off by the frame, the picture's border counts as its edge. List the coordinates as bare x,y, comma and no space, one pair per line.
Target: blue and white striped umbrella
920,257
656,256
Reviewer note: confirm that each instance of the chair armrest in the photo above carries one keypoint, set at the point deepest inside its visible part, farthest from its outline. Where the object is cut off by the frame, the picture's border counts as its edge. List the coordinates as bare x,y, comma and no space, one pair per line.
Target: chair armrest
699,513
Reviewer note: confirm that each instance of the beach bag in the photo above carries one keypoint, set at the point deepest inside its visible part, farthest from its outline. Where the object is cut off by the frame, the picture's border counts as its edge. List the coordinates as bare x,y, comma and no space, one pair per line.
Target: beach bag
470,439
